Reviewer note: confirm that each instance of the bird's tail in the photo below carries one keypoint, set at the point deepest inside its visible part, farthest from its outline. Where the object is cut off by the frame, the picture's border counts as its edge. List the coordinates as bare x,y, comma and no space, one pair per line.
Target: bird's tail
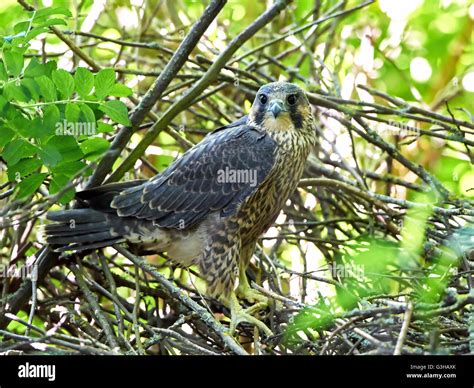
81,229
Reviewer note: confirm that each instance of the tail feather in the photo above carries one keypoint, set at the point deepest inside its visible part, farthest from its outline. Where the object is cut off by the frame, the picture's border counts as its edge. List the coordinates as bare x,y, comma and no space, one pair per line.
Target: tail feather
80,238
83,229
76,215
82,247
58,229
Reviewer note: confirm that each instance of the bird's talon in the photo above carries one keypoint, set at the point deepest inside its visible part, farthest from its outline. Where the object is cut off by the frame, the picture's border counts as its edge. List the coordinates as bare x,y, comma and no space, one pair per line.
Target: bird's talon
256,308
251,295
239,315
244,316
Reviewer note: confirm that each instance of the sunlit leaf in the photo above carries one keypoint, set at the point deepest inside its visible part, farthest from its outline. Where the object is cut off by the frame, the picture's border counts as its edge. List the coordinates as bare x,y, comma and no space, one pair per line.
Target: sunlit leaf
29,185
84,81
104,82
117,111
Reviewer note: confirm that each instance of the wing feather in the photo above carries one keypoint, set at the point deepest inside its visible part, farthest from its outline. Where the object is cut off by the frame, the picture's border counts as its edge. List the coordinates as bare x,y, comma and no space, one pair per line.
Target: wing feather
191,188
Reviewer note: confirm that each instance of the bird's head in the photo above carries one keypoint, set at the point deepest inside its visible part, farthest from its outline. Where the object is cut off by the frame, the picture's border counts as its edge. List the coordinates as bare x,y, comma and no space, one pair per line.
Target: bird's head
280,106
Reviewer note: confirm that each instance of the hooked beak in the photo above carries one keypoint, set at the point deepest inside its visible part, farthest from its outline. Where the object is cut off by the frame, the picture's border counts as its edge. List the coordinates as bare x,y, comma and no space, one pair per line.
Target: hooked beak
276,107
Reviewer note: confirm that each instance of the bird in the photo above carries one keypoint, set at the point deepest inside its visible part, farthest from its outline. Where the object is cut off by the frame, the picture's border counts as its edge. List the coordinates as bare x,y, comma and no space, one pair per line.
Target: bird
210,206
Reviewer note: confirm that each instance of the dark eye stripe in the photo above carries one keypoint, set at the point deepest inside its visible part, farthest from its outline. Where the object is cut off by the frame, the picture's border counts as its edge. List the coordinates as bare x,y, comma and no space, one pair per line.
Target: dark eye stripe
295,115
260,114
296,118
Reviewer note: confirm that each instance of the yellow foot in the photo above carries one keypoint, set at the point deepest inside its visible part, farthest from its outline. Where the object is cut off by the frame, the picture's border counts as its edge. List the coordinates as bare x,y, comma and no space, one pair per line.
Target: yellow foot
244,291
251,295
239,315
242,315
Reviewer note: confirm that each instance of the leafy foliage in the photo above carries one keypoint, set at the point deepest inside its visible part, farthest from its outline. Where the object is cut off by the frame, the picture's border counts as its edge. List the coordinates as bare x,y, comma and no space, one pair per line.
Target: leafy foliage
380,228
49,116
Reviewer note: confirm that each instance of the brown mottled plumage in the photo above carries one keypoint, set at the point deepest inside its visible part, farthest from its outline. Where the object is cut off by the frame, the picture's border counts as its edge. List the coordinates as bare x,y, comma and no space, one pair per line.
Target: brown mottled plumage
193,211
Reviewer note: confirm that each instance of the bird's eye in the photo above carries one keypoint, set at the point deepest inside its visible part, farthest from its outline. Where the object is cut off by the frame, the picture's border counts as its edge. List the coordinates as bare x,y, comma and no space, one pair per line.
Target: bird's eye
291,99
263,99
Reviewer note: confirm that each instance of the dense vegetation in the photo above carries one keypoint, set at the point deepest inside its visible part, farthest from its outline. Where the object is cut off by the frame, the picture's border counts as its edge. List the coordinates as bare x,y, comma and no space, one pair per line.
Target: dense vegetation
373,254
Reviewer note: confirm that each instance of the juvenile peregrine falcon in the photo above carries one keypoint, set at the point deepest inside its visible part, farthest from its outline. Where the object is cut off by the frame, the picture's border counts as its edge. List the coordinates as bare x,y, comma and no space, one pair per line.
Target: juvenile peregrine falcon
211,205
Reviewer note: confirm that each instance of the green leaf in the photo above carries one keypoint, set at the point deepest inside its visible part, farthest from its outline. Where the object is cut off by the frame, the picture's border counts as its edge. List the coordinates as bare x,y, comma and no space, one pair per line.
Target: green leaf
49,67
16,150
29,185
6,135
51,118
21,27
68,168
3,105
104,82
7,110
52,11
87,114
58,182
47,88
72,112
117,111
67,146
3,72
120,90
34,33
49,155
23,167
52,22
32,88
14,62
34,68
84,81
15,93
64,82
27,128
94,147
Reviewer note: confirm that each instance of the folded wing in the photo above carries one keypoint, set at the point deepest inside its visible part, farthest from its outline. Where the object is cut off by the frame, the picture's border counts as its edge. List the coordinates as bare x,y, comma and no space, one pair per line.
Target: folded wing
217,174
